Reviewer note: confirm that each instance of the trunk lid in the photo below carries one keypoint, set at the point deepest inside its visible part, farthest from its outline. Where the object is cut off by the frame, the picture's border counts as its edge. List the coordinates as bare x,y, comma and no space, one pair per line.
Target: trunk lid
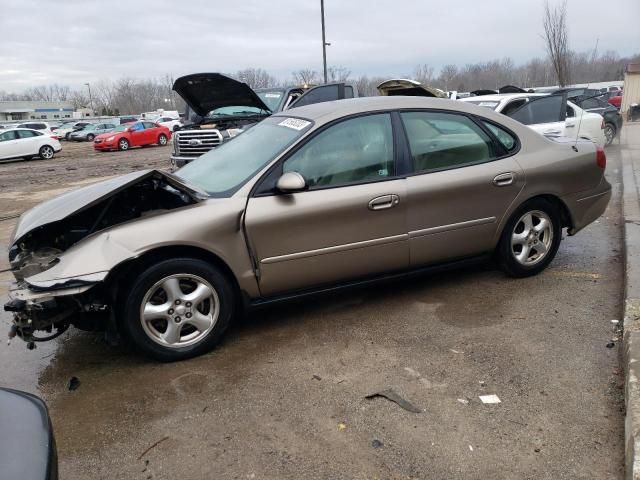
411,88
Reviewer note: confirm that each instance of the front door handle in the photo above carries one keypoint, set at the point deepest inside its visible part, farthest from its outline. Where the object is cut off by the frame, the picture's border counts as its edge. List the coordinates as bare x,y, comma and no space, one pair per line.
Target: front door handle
384,201
504,179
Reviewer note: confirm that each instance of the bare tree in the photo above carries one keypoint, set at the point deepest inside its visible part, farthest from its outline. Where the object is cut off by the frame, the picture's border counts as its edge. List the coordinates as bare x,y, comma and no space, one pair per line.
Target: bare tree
338,74
305,76
557,40
256,78
423,74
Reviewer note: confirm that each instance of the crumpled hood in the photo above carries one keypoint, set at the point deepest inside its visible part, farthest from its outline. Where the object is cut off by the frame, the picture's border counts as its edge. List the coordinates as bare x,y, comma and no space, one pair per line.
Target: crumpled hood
75,201
204,92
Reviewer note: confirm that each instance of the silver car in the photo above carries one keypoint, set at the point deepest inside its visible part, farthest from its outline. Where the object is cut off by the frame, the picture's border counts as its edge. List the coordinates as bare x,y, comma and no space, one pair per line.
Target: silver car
91,131
314,198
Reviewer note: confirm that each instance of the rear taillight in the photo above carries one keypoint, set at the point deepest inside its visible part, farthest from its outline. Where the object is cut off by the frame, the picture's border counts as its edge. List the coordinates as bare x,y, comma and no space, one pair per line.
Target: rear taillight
55,137
601,157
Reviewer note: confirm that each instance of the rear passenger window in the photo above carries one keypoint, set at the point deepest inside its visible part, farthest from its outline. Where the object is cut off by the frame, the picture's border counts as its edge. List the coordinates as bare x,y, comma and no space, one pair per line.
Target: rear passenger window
505,138
439,141
26,134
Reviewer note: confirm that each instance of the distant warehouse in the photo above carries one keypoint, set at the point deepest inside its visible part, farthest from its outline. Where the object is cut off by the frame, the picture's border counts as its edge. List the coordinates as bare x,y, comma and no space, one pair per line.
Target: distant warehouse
34,110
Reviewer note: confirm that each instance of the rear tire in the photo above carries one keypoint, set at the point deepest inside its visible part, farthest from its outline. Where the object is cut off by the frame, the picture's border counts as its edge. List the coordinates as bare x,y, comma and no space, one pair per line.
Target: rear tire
90,137
609,133
46,152
530,239
123,144
161,321
162,140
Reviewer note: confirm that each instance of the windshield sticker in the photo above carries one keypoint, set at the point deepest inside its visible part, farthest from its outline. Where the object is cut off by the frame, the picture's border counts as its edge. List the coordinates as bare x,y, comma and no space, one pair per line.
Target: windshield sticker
273,95
295,123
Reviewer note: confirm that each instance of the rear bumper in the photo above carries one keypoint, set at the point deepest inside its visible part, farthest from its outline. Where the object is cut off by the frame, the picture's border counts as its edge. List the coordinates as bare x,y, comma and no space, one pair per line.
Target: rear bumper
587,207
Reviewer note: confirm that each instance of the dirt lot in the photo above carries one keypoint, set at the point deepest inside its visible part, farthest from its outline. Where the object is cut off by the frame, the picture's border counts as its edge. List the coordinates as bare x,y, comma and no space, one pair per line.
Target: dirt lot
284,396
76,164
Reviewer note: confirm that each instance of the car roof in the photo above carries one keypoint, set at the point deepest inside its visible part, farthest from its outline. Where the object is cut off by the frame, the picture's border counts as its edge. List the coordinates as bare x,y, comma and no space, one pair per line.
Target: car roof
327,111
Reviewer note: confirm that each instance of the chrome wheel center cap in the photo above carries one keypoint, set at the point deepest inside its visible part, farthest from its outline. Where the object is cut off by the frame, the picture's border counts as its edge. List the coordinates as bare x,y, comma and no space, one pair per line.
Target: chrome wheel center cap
181,310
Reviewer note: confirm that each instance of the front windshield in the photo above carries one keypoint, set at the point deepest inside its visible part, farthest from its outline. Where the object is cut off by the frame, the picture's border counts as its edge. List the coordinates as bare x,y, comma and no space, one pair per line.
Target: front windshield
485,103
272,99
234,110
222,171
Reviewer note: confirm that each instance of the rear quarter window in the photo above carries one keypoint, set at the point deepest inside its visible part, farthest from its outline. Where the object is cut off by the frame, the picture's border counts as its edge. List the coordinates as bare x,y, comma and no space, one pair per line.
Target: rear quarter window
507,140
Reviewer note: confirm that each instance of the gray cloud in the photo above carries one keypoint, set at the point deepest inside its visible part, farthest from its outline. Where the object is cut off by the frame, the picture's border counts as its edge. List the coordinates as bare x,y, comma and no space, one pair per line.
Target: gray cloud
74,41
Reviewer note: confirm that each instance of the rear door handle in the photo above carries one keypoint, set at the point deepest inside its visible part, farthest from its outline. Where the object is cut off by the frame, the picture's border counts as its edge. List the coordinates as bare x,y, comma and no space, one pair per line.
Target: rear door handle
384,201
504,179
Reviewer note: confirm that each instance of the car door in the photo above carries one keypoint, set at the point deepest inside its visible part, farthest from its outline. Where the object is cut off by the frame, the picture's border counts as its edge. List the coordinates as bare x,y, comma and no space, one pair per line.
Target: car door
349,223
464,180
137,134
151,131
27,143
547,115
9,144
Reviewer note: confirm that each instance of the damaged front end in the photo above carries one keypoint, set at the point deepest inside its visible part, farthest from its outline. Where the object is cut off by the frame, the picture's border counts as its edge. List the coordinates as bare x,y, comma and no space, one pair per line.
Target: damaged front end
56,283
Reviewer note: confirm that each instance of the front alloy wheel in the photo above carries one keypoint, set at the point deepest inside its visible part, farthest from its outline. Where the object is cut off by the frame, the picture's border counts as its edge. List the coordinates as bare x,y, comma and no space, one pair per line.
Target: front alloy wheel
177,308
162,140
123,144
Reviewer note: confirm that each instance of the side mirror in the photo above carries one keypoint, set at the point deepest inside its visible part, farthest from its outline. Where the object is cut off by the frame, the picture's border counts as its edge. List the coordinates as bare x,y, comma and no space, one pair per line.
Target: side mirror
291,182
128,129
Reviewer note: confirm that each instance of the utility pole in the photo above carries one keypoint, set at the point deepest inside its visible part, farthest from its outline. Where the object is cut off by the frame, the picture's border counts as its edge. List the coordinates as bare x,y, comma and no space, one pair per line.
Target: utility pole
324,42
90,99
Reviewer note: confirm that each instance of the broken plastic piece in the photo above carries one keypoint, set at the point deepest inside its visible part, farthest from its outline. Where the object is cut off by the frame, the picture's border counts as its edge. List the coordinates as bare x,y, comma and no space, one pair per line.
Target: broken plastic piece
489,399
391,395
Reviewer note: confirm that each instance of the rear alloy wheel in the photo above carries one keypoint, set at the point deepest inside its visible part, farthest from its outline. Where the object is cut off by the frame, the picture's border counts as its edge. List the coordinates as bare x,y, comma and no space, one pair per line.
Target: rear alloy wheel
90,137
67,135
609,133
531,238
46,152
123,144
178,308
162,139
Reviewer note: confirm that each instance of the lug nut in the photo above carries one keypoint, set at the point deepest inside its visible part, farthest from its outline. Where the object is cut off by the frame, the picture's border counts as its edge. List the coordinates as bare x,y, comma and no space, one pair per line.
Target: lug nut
177,302
188,304
188,315
178,319
171,311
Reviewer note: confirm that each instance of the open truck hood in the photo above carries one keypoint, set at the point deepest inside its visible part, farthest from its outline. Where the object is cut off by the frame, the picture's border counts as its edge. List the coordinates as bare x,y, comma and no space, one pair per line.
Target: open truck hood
76,201
410,88
204,92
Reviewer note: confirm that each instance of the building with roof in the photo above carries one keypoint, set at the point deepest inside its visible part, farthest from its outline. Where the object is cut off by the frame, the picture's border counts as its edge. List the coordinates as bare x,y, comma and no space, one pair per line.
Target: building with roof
631,93
35,110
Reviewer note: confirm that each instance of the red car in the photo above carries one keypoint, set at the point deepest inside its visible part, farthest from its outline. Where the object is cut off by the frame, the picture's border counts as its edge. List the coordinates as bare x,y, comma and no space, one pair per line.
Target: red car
134,134
615,99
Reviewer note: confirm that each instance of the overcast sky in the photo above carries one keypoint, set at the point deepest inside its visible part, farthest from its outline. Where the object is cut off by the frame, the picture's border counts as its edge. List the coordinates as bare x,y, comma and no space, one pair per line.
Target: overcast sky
76,41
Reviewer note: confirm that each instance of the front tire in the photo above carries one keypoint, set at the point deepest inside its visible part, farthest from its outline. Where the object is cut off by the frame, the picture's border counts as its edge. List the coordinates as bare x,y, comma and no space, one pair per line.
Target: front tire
90,137
46,152
123,144
530,239
162,140
178,309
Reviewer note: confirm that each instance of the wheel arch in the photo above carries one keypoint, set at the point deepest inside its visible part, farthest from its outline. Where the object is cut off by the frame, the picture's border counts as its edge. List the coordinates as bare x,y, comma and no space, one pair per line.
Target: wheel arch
121,276
566,220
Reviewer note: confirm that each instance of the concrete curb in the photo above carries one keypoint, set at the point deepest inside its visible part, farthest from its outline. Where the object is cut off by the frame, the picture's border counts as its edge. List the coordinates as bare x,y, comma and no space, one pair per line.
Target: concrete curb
631,338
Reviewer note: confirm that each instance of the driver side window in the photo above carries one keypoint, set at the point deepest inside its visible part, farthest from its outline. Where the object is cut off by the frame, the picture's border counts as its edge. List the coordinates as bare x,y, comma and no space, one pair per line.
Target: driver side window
352,151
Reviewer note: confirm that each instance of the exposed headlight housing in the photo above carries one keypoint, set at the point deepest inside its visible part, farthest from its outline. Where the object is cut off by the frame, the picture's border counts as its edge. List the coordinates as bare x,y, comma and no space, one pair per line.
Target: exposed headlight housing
111,138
